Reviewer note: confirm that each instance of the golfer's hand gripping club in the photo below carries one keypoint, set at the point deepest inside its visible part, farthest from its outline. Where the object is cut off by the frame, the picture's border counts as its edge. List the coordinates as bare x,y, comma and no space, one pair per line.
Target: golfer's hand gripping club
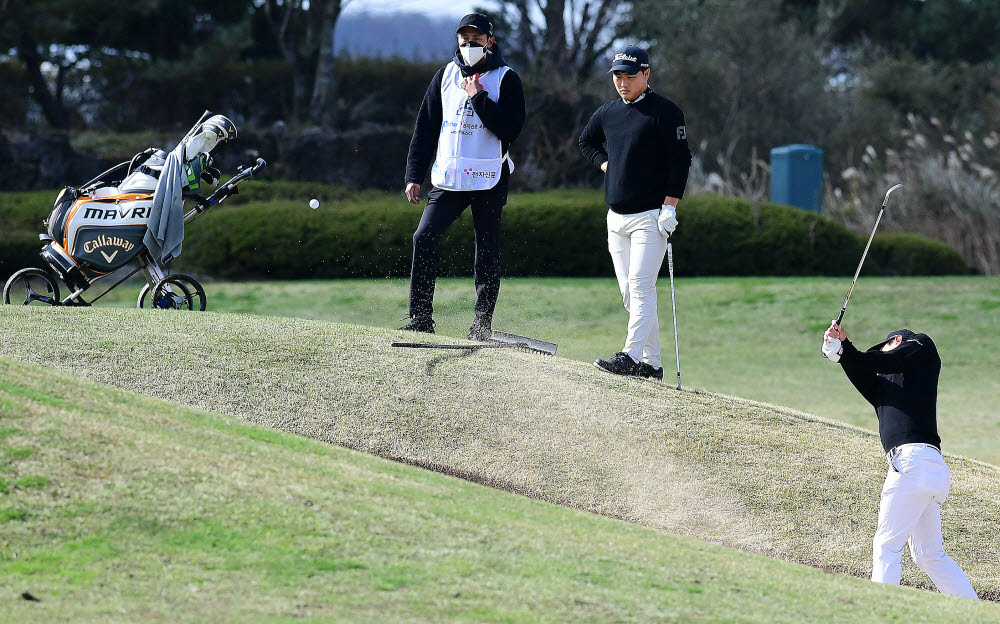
832,346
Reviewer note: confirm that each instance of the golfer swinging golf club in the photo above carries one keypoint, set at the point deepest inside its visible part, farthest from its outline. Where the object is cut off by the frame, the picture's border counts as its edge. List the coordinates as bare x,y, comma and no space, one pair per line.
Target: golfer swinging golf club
472,111
639,140
899,377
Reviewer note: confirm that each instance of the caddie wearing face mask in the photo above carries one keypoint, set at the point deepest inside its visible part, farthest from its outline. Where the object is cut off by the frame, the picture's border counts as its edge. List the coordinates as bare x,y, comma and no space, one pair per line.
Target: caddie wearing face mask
472,111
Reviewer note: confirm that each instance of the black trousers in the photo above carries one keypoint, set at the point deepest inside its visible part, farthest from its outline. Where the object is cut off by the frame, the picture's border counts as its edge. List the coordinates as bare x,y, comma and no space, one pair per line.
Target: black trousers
443,207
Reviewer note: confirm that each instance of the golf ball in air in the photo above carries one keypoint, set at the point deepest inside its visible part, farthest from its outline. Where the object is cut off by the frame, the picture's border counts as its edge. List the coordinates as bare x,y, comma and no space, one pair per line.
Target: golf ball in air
314,203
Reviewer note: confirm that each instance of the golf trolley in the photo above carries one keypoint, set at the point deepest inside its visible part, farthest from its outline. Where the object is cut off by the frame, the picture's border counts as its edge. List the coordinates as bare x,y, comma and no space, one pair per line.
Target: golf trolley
95,232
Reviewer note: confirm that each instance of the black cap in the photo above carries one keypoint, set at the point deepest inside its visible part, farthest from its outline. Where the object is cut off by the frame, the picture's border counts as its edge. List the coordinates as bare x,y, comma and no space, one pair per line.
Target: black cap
478,21
905,333
631,59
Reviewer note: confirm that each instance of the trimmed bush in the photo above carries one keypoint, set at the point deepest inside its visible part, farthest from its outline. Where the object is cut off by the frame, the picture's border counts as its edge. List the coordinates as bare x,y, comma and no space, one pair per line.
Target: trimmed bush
269,231
21,216
24,210
555,233
18,251
902,253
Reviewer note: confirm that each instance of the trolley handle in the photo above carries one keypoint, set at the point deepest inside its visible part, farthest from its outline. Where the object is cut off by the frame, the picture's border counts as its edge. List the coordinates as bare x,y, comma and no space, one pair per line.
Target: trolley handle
224,191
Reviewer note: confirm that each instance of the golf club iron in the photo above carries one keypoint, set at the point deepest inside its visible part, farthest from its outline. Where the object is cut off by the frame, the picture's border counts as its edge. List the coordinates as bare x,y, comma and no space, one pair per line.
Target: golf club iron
673,306
865,254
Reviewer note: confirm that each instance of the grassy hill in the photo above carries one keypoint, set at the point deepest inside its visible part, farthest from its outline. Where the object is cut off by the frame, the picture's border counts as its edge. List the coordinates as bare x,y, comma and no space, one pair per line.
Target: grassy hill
755,338
752,476
116,507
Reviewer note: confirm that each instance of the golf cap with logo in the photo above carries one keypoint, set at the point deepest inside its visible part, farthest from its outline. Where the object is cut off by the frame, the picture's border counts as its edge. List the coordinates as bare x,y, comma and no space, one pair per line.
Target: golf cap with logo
630,60
905,333
478,21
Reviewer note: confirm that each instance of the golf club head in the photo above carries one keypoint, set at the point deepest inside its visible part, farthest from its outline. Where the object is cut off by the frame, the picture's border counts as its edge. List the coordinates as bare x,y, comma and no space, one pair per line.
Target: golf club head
887,193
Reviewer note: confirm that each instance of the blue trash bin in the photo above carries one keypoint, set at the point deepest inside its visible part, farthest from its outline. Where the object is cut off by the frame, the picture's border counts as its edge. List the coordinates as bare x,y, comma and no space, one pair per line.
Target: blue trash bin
797,176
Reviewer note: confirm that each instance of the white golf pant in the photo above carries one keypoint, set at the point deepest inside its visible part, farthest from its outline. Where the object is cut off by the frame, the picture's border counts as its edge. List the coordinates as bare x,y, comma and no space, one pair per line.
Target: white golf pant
910,512
637,250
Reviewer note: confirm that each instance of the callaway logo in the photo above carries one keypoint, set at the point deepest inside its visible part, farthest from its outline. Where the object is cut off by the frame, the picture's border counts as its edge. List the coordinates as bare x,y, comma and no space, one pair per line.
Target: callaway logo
108,241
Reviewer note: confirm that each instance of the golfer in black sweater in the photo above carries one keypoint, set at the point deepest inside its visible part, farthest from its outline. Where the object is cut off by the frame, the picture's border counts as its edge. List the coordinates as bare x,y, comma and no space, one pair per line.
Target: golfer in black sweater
640,141
899,377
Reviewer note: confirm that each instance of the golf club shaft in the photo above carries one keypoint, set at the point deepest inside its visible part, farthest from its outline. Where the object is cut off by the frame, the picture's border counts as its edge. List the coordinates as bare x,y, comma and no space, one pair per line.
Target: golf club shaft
858,272
885,202
673,306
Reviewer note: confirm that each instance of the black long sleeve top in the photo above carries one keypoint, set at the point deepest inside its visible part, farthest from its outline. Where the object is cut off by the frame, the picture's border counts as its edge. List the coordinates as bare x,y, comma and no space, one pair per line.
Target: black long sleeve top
503,117
646,148
901,385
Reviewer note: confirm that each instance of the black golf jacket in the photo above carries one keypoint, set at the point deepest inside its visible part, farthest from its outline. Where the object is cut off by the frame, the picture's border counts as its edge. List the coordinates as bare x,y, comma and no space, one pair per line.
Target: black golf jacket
901,385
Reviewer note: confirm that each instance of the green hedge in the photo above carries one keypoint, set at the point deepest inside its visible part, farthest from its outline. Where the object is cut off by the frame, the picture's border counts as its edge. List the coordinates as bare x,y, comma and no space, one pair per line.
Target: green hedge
554,233
17,251
268,231
726,236
21,216
902,253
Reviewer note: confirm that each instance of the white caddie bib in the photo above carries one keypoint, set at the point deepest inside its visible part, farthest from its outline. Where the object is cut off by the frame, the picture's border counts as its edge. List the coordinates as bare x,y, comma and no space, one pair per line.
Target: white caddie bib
469,157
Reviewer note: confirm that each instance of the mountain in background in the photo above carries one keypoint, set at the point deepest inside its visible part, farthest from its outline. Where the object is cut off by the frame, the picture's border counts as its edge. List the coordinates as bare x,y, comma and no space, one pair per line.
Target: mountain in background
412,36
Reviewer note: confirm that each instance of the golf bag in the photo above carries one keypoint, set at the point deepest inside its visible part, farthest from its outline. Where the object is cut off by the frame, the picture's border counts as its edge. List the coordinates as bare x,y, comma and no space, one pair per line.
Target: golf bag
99,229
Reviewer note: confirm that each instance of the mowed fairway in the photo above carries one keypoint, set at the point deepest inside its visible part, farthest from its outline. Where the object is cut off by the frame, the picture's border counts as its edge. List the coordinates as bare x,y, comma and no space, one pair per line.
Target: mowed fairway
756,338
115,507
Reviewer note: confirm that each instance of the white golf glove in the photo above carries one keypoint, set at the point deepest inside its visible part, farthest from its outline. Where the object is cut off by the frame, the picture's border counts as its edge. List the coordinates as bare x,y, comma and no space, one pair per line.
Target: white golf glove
667,221
832,349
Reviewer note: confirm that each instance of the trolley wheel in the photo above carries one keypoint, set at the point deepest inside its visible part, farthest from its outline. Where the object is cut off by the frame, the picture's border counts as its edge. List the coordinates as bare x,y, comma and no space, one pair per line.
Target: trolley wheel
165,294
198,298
141,301
38,286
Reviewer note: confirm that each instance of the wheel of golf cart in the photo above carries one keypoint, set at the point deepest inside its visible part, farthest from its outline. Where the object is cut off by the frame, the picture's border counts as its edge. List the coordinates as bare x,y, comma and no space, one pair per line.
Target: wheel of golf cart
32,286
168,294
165,295
143,294
199,300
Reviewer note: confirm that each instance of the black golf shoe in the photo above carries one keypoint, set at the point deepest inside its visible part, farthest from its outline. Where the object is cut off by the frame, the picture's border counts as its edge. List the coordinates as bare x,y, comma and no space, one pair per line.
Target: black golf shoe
481,330
619,364
420,324
646,371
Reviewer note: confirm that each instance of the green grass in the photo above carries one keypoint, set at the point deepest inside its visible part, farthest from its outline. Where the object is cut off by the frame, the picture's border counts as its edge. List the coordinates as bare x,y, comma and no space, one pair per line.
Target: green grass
756,338
756,477
157,512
